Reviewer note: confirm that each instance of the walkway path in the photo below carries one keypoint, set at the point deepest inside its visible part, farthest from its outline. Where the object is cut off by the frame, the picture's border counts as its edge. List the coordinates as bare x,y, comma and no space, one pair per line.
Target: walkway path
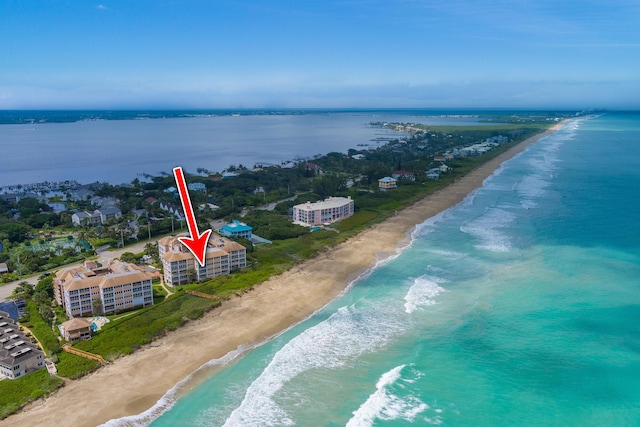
84,354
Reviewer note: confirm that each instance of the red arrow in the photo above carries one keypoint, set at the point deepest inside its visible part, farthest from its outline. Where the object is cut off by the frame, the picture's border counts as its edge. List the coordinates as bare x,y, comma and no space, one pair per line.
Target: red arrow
198,244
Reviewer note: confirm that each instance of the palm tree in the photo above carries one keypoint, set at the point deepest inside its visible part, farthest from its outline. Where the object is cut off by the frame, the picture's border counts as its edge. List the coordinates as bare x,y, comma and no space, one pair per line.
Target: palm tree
23,290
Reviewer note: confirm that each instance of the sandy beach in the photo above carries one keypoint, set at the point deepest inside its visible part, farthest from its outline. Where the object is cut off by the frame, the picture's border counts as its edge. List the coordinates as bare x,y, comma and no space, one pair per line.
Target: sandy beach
132,384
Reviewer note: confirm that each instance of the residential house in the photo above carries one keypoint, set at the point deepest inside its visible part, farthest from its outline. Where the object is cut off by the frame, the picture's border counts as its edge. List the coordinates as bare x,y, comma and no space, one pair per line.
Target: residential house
108,213
433,173
103,202
237,229
387,183
3,268
172,209
81,194
445,169
76,329
403,174
99,216
89,288
180,266
313,167
18,356
197,186
329,210
85,218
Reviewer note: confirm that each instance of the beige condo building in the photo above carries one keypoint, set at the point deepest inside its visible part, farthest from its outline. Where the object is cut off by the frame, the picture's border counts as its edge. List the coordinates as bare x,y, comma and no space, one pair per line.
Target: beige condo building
181,267
89,288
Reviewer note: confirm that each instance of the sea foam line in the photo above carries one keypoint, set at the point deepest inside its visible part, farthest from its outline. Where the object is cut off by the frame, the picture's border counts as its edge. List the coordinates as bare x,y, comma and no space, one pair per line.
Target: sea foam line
383,404
422,292
331,344
167,401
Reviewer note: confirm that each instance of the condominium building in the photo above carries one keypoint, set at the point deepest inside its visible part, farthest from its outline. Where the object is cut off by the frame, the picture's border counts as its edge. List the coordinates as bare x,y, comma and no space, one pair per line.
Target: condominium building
18,356
329,210
180,266
89,289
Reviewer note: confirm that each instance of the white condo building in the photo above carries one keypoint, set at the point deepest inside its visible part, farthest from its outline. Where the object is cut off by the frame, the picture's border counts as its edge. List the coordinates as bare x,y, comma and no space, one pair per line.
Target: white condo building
329,210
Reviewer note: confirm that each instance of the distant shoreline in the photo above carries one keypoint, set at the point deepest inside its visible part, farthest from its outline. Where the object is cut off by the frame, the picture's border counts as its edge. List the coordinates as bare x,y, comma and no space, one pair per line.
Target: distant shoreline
134,384
9,117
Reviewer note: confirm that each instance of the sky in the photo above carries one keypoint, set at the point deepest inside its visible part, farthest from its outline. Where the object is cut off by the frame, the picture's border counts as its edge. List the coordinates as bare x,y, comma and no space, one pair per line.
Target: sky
173,54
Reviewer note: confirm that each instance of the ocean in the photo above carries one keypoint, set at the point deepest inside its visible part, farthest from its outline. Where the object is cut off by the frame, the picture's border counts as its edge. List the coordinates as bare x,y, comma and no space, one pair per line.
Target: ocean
88,148
519,306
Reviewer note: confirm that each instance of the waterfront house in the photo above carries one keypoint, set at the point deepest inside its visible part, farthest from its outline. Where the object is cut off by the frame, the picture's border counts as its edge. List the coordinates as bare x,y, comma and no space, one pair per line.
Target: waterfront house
18,356
387,183
329,210
180,266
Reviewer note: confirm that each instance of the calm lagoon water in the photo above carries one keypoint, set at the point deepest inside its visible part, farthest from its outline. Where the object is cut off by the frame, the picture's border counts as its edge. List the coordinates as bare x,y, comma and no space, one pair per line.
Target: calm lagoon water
117,151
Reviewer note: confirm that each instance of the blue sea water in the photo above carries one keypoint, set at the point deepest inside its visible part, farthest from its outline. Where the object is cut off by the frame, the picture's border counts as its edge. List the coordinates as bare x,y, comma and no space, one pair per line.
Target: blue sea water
519,306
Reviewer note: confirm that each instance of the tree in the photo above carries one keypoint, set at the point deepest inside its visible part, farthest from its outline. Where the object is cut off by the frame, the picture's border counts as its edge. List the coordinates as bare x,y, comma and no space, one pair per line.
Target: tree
45,312
97,305
328,185
128,257
23,290
14,231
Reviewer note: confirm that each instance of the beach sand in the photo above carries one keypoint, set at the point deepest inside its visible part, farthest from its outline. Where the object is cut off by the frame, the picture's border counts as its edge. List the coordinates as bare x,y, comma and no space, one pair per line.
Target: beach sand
132,384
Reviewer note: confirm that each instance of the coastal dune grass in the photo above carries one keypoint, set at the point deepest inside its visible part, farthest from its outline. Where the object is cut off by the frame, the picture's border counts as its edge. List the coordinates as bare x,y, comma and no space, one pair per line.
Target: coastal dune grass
123,336
16,393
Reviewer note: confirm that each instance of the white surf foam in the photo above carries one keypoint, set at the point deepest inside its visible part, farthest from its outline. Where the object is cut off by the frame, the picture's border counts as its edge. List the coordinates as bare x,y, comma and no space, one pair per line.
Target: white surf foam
335,342
384,405
168,400
486,228
422,293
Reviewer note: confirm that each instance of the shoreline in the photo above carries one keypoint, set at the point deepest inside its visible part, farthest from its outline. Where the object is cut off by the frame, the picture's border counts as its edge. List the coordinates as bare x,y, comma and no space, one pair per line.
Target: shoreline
133,384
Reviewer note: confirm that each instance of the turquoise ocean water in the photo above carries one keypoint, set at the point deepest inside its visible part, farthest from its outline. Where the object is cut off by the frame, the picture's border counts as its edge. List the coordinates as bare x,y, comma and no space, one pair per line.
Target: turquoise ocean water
520,306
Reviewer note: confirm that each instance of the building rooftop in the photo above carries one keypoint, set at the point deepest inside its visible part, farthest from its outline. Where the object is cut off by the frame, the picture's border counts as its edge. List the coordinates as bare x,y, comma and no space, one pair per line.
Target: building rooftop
237,226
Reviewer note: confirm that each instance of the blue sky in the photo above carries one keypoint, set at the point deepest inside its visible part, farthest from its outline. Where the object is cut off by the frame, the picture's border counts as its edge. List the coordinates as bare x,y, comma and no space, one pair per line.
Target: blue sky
319,53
